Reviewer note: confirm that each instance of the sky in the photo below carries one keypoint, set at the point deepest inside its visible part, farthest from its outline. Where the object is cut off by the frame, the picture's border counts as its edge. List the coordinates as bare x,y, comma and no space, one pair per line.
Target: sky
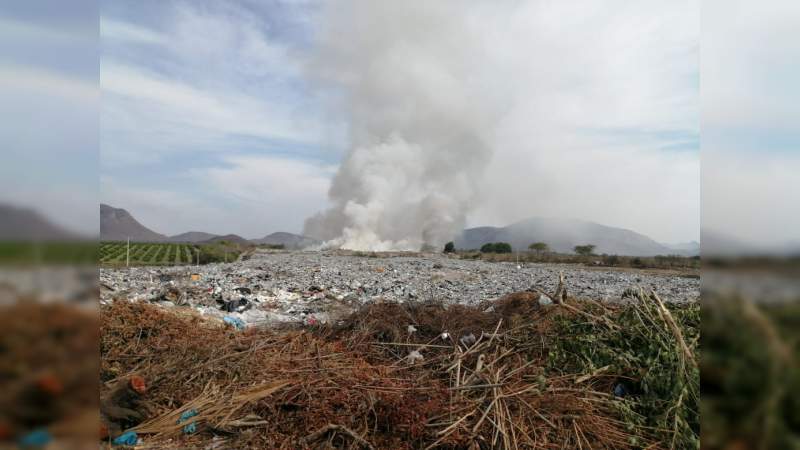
49,106
235,116
215,116
750,99
222,116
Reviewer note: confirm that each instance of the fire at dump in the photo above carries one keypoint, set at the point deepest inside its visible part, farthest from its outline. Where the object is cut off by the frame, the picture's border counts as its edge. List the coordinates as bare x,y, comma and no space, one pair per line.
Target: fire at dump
418,134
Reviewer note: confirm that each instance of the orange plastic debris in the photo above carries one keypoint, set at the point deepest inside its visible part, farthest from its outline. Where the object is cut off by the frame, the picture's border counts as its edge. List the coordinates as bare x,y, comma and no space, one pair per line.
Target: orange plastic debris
5,431
137,383
50,384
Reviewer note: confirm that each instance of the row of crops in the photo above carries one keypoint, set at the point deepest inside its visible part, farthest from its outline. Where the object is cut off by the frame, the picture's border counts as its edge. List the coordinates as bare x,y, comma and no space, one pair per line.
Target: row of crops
36,253
153,254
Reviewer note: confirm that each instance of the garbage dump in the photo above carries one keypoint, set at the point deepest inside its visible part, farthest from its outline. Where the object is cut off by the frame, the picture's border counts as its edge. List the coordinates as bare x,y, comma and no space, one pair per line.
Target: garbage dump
300,287
512,372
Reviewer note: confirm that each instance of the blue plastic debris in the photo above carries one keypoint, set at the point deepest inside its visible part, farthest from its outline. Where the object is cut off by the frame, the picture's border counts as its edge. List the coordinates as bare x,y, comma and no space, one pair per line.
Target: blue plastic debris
235,321
128,438
620,390
191,427
36,438
187,415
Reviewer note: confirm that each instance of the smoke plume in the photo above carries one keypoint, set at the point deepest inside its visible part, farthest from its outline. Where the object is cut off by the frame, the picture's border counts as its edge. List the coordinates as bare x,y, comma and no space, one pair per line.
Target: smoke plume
419,109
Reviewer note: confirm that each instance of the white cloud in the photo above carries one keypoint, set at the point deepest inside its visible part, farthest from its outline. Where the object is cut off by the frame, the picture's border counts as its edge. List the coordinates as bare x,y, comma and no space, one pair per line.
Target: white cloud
248,195
751,107
123,31
211,74
227,113
168,111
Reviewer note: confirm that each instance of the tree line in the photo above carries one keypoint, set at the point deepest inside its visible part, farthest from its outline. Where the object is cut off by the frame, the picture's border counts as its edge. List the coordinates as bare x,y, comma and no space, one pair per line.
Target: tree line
538,247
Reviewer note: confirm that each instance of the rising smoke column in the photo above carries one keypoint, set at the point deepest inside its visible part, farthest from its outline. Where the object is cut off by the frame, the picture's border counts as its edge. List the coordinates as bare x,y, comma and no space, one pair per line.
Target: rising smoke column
420,110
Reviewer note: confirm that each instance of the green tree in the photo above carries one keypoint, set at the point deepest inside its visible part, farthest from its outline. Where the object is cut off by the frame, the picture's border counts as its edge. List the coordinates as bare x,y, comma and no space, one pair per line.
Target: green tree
496,247
450,247
539,247
585,250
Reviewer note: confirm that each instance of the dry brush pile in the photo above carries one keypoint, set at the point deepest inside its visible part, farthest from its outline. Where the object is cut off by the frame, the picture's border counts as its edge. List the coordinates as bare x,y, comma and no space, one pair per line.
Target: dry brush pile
508,374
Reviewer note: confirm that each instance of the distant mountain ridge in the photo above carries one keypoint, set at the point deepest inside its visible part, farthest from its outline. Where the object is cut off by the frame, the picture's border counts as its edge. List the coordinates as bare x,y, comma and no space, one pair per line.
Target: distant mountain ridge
191,237
233,238
117,224
25,224
562,235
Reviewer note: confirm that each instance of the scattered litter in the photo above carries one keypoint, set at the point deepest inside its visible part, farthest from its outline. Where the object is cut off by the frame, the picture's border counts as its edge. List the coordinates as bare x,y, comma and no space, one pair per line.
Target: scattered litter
414,357
445,336
286,287
620,390
235,321
468,340
36,438
545,300
310,386
191,427
127,438
240,305
411,329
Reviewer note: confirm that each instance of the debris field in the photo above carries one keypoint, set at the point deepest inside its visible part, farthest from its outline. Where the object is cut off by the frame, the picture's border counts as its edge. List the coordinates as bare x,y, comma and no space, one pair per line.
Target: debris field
308,287
332,351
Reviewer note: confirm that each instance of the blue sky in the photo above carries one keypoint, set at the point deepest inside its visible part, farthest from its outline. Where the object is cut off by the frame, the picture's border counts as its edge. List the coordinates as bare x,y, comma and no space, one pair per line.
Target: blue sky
207,123
213,120
49,105
218,116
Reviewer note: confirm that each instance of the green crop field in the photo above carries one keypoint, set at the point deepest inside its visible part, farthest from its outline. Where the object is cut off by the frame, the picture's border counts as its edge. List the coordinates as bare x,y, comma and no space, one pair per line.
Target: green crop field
165,254
36,253
150,254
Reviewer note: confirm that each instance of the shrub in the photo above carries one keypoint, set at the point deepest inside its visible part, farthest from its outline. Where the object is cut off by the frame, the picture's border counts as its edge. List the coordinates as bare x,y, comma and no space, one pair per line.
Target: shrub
450,247
539,247
496,247
585,250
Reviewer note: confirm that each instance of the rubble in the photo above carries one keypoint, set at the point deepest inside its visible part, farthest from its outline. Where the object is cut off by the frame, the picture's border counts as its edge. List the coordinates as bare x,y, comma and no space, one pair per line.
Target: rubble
322,287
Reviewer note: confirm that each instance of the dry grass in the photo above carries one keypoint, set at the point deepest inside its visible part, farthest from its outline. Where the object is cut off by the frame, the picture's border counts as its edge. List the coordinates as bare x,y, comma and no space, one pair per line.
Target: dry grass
354,386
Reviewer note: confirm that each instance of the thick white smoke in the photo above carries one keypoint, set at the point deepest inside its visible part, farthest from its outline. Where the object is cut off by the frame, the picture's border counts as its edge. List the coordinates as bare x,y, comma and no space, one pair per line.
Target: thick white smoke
420,107
574,109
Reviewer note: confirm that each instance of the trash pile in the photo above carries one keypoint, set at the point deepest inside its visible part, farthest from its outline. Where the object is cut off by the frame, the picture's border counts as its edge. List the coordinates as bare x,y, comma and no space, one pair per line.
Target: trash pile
318,287
528,370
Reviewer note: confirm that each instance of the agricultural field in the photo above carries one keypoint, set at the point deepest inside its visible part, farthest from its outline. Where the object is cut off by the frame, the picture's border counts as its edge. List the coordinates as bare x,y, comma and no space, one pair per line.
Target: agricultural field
58,253
164,254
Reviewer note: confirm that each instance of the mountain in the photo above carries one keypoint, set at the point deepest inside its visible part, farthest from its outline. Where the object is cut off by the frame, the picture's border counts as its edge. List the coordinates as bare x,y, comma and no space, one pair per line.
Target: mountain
691,248
719,244
116,224
25,224
232,238
288,240
562,235
192,237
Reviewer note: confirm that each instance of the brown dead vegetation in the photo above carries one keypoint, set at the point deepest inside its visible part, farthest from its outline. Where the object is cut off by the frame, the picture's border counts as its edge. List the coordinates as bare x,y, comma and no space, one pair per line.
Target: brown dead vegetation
358,384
